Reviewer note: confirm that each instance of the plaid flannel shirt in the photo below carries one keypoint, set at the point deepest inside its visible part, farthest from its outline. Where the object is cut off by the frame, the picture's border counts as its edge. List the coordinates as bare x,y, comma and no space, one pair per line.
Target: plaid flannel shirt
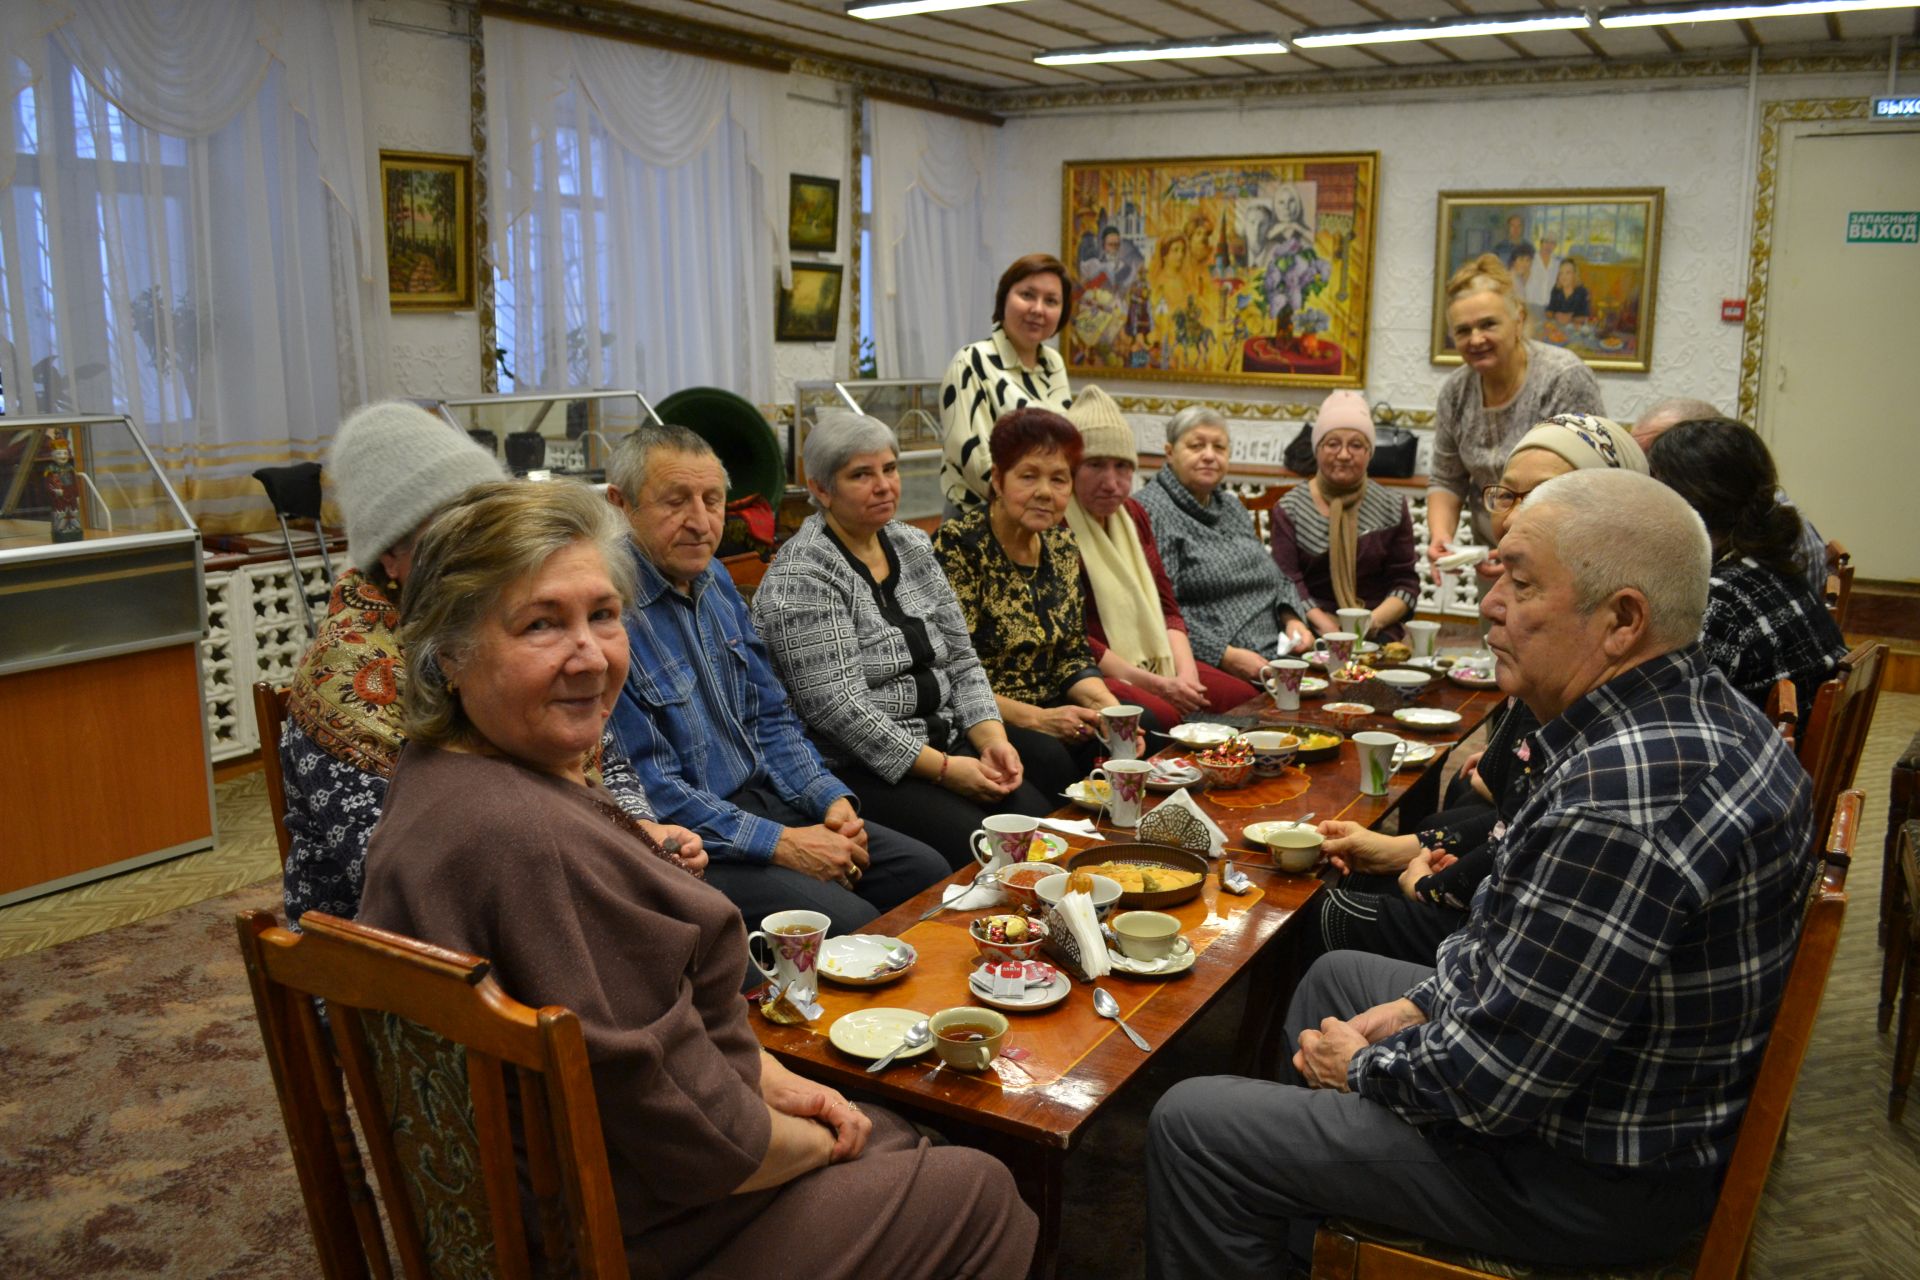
1612,991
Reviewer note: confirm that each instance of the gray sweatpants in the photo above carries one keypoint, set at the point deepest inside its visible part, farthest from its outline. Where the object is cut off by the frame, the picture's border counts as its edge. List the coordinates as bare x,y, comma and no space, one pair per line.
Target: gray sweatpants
1239,1172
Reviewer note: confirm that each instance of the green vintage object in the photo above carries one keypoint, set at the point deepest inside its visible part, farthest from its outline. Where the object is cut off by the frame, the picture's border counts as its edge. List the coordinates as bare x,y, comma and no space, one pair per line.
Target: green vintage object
739,433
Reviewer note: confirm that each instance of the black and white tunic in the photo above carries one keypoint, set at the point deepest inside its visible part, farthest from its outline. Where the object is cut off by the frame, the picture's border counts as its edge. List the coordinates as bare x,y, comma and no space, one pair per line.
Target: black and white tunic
985,380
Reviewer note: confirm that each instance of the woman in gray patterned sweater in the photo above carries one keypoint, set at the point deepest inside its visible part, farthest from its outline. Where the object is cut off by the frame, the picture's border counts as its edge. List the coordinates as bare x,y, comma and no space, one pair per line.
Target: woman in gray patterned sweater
866,634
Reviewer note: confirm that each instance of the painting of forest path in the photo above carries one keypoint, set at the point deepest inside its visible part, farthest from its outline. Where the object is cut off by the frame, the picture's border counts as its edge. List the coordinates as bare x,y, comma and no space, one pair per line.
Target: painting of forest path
428,206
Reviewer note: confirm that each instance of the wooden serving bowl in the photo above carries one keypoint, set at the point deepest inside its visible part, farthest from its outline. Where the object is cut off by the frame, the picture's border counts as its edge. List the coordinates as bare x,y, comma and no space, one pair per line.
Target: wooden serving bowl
1152,855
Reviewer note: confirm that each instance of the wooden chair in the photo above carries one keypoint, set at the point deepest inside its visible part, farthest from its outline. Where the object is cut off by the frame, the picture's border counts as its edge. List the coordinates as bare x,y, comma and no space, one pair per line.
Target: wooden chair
1834,730
1839,582
1260,506
426,1040
1903,804
1783,708
1346,1251
270,715
1901,971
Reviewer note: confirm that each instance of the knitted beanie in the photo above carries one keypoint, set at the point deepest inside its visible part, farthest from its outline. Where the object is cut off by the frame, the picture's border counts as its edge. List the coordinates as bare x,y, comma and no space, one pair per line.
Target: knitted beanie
1343,410
393,465
1102,428
1586,442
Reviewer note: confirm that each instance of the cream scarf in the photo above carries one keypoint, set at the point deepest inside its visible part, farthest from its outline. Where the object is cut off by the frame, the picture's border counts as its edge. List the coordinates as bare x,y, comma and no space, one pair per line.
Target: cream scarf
1123,587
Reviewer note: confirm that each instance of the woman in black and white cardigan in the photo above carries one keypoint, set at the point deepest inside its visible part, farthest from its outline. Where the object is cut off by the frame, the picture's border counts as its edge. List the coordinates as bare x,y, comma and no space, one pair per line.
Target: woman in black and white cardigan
866,634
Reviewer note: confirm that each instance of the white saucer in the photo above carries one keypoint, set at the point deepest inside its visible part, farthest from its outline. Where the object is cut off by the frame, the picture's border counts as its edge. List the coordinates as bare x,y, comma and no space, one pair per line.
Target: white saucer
1177,962
1055,845
1312,686
865,959
876,1032
1173,778
1418,753
1201,733
1432,719
1035,998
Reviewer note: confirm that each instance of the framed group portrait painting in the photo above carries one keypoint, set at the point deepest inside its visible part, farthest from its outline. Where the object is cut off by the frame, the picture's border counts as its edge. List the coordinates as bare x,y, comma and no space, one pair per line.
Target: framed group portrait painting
1585,262
1250,269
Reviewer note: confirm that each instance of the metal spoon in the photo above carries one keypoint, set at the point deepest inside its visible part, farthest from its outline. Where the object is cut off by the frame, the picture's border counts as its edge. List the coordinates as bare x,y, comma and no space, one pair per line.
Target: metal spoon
984,878
917,1035
1107,1007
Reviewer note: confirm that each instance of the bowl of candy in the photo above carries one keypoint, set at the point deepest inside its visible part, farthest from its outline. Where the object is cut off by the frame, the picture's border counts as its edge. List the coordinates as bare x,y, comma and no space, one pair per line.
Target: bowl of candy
1227,765
1001,938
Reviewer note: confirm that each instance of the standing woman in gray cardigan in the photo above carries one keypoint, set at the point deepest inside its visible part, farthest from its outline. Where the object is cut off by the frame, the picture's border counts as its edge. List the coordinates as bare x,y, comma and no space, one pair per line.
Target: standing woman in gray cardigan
866,634
1237,603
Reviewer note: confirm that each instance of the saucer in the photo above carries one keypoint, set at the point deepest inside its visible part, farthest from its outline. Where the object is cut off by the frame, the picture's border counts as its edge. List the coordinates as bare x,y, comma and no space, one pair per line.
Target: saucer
1090,793
1312,686
1042,997
1172,774
1177,962
1418,753
1054,845
876,1032
865,959
1201,734
1428,718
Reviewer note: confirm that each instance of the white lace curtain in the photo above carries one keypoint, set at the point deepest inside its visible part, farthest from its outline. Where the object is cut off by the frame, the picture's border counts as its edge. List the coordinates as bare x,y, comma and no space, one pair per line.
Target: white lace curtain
933,284
638,224
184,222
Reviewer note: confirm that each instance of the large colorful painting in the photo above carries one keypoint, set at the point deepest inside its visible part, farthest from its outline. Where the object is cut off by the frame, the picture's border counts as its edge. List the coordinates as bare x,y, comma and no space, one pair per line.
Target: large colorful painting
1250,270
1585,263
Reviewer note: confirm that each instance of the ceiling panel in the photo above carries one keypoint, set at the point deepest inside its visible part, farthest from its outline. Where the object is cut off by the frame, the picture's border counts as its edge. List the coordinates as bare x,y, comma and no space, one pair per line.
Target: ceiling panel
991,48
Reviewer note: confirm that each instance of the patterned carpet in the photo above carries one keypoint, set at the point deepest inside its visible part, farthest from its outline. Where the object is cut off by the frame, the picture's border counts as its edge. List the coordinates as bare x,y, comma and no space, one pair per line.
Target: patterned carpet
139,1135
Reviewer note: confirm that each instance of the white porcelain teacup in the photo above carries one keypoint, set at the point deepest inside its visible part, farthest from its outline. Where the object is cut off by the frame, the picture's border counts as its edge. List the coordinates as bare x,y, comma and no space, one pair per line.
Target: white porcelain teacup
1120,725
1338,646
1128,778
1003,839
1380,754
1282,679
793,940
1423,638
1358,621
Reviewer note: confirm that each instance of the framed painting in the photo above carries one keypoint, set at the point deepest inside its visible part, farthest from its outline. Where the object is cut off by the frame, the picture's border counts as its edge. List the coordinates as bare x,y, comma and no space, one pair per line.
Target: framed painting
810,310
429,213
1586,264
813,213
1244,270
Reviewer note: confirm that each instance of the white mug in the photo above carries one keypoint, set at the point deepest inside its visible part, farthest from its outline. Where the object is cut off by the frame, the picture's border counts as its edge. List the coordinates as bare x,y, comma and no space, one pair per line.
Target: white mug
1355,620
1282,679
1003,839
1423,638
1120,724
1128,779
793,938
1338,646
1380,755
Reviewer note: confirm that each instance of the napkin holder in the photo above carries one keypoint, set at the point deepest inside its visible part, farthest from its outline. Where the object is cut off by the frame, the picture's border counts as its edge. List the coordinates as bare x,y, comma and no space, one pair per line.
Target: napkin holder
1063,948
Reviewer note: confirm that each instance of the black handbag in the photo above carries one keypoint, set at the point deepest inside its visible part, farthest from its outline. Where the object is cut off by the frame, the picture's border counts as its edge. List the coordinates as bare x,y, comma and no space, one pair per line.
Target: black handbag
1299,454
1394,451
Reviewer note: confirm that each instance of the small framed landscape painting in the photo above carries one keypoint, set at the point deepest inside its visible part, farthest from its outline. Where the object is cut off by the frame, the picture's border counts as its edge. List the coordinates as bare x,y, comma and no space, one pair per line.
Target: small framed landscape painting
428,201
813,213
810,310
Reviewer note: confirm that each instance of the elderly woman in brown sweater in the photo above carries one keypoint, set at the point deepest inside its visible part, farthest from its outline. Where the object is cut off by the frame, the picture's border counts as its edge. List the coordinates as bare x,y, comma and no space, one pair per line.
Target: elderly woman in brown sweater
493,843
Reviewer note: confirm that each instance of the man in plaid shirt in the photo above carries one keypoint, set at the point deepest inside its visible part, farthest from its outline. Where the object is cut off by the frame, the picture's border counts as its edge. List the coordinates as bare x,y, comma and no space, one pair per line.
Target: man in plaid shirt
1565,1085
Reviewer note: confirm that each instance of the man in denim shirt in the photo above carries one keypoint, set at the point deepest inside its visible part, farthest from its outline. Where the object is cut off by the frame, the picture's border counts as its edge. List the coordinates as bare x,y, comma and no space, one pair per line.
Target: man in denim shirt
708,726
1565,1084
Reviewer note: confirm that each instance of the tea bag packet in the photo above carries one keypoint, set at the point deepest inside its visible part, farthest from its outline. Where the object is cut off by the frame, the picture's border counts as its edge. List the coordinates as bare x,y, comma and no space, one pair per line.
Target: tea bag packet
1178,821
788,1006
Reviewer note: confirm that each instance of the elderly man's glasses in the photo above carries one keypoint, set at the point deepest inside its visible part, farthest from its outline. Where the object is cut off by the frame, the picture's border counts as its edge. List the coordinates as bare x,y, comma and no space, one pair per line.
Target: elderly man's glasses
1497,498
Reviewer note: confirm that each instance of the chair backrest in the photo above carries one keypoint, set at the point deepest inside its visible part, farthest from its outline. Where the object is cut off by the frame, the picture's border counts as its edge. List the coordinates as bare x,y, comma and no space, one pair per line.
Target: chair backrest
1833,733
1260,506
1723,1253
1348,1251
270,716
1839,582
1783,708
426,1041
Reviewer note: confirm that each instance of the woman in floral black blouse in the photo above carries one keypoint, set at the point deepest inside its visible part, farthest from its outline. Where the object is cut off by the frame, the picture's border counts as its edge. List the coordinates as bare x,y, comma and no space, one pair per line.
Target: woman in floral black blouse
1016,573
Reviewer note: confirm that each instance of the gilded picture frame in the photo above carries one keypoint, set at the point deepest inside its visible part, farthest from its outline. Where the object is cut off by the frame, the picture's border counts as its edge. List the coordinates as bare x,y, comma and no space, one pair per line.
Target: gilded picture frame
427,203
1235,269
1585,261
810,310
813,213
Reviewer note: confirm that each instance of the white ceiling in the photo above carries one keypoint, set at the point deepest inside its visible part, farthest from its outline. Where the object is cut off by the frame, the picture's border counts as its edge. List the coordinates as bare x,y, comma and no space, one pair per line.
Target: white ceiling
992,48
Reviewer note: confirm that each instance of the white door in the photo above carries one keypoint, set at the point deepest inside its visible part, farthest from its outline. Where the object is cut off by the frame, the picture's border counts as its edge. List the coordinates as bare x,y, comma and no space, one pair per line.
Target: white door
1840,381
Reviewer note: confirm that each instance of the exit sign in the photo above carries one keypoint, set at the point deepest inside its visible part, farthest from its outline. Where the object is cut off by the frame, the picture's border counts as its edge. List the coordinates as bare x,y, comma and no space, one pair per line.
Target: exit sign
1907,108
1884,227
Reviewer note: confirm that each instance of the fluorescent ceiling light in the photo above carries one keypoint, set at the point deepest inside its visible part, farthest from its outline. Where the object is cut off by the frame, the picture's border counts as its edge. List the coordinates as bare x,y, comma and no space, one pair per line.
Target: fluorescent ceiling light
1681,14
1493,24
1218,47
907,8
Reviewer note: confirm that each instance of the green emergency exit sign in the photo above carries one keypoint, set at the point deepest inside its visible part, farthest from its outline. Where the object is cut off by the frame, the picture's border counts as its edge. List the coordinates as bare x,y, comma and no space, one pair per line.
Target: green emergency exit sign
1884,228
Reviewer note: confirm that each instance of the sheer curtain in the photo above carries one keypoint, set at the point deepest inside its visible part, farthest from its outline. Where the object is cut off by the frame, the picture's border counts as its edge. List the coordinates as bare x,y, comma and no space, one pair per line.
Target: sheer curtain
933,290
638,224
183,230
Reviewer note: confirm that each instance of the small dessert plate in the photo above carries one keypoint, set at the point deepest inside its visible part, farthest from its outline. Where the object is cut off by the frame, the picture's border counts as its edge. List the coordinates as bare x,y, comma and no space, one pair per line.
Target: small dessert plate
1172,774
1043,996
1428,718
865,959
1201,733
1418,753
876,1032
1090,793
1312,686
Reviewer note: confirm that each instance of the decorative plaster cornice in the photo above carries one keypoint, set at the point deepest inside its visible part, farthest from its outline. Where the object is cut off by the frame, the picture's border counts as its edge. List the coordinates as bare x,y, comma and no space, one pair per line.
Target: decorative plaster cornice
1256,410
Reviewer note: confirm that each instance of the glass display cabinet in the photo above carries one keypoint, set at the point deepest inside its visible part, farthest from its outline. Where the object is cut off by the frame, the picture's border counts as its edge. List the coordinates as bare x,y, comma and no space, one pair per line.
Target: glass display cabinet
104,763
563,433
911,406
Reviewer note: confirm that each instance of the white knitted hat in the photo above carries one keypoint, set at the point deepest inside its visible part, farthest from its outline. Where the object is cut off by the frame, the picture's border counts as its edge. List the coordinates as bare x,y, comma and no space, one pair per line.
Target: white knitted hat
393,465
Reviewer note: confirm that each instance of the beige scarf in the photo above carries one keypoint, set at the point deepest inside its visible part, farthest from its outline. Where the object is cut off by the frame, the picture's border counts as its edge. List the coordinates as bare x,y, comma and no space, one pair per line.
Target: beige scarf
1343,539
1123,588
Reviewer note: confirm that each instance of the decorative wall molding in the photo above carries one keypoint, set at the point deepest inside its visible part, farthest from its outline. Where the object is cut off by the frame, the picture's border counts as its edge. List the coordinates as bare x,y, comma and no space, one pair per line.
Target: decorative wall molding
1257,411
482,202
1760,251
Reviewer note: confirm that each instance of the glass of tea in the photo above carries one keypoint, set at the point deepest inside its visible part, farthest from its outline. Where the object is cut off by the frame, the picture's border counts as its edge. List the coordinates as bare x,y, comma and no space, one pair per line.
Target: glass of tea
968,1038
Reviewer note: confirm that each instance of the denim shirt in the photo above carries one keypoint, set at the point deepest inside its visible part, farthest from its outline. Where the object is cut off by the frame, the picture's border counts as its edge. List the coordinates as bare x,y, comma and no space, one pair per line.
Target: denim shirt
702,715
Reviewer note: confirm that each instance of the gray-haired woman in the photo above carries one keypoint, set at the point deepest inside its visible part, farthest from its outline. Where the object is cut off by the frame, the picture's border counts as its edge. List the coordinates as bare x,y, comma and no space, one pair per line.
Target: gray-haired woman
866,634
1237,603
494,844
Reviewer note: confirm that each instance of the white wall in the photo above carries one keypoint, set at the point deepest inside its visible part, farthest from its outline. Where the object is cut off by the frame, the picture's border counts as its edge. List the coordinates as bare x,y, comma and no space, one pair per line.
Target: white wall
816,139
1690,140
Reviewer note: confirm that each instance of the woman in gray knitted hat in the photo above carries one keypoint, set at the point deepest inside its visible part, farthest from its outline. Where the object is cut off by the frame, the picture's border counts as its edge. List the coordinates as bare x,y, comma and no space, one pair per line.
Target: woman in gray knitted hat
393,466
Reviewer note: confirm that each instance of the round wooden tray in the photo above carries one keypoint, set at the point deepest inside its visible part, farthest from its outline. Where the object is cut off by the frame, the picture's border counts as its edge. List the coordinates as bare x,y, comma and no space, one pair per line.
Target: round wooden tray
1153,855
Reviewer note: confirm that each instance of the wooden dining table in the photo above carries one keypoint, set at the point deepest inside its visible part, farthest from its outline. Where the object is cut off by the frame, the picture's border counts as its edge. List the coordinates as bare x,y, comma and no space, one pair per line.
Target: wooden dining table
1060,1066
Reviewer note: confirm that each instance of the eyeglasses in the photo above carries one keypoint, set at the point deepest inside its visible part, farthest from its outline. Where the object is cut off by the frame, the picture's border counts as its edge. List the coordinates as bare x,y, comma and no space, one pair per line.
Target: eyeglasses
1331,445
1497,498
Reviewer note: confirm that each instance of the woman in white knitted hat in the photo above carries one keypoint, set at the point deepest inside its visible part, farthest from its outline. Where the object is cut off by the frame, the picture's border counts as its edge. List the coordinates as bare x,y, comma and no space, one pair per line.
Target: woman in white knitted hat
1134,624
394,467
1343,541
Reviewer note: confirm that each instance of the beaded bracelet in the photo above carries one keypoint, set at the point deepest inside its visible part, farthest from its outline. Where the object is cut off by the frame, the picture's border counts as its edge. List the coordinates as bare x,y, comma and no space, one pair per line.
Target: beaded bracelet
941,779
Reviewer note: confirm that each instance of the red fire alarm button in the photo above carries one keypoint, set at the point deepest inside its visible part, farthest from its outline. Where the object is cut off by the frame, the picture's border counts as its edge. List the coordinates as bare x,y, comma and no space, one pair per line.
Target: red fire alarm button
1733,308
